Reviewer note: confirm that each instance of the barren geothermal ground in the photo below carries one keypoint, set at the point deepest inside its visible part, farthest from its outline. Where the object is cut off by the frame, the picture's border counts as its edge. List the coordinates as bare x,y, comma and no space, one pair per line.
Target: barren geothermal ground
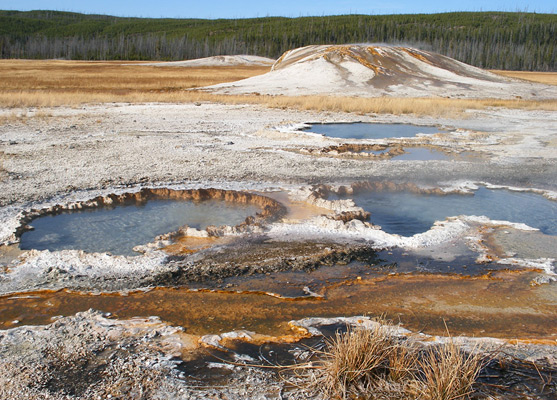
159,241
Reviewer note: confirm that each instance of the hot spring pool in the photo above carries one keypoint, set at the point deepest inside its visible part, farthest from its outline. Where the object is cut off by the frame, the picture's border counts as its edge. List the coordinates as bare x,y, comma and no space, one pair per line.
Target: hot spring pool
118,229
406,213
371,131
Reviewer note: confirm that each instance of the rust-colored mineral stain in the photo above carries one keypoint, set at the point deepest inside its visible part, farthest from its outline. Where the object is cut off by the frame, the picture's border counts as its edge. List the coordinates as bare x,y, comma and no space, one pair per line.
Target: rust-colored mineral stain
191,244
415,55
503,305
296,210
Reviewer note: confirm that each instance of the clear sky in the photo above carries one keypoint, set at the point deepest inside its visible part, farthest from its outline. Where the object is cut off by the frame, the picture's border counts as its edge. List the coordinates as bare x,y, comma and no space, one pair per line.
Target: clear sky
258,8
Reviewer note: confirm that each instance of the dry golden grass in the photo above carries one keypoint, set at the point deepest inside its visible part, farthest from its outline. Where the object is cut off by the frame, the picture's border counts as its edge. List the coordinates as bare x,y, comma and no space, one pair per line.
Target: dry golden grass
437,107
46,83
402,363
114,77
26,83
354,362
397,106
549,78
372,364
448,373
23,116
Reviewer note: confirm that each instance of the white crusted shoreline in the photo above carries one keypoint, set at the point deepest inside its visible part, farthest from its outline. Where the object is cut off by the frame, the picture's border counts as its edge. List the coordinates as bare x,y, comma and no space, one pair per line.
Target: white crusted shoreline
73,268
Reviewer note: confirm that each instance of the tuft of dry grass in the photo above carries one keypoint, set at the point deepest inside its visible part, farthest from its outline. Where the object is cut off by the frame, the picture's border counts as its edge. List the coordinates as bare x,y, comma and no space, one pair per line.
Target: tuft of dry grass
402,363
372,364
354,362
448,372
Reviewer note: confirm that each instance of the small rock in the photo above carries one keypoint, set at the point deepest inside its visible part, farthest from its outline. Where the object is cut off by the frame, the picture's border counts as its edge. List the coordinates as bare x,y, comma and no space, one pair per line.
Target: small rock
543,280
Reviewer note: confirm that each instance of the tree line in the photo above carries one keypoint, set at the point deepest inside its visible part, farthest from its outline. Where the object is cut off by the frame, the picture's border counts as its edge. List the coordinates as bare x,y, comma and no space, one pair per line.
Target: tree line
513,41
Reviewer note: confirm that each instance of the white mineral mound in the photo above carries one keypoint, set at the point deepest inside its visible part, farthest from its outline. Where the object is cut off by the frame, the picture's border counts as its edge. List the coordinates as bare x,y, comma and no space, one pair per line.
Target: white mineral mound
373,71
217,61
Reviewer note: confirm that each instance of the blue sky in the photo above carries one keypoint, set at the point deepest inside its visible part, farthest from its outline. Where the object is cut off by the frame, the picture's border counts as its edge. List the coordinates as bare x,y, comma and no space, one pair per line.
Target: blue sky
288,8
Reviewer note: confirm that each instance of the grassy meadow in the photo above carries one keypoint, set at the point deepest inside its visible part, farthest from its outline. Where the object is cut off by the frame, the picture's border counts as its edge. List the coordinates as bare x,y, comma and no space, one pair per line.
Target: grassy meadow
549,78
50,83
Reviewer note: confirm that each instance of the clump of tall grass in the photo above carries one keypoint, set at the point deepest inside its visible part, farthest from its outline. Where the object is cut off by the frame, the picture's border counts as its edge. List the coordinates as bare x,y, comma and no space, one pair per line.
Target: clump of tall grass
447,372
354,362
373,364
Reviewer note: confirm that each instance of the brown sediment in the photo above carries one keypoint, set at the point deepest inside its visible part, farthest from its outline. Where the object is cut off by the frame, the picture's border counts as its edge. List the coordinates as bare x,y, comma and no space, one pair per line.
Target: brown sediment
389,186
346,216
358,151
270,209
503,306
245,257
3,172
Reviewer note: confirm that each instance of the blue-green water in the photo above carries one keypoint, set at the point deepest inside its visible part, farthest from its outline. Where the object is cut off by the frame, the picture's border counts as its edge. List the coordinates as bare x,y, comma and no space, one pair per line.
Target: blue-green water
407,214
371,131
118,229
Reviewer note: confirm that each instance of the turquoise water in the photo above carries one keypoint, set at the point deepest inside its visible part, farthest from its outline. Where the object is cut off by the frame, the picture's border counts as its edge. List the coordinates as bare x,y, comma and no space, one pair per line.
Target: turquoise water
407,214
118,229
371,131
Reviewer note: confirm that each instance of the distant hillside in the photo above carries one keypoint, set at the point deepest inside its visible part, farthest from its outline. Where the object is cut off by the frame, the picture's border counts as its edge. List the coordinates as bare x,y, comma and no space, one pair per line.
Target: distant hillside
516,41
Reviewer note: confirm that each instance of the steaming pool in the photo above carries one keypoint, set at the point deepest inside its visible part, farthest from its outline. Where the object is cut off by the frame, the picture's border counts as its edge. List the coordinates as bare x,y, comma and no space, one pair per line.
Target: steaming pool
407,214
119,229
